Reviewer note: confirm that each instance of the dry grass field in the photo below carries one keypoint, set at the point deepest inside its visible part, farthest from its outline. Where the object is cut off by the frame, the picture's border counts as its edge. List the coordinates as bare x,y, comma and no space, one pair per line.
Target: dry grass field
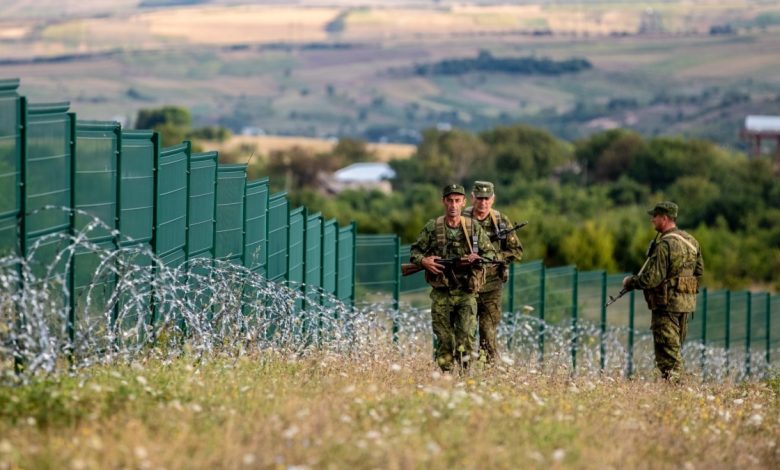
267,144
379,411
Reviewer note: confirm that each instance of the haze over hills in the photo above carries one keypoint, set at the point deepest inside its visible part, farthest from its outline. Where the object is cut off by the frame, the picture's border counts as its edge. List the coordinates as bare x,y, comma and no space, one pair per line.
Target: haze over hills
383,70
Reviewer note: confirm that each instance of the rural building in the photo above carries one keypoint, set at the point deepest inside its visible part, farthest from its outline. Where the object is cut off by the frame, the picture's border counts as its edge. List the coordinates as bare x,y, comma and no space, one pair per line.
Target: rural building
361,176
759,129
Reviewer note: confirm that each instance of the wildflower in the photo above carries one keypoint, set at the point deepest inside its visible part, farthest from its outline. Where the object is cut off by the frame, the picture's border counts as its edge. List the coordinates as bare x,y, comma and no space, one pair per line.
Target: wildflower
755,420
290,432
433,448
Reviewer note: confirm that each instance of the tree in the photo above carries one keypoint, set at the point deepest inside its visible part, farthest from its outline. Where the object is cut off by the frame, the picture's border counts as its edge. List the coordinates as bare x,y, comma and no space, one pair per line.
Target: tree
524,152
591,247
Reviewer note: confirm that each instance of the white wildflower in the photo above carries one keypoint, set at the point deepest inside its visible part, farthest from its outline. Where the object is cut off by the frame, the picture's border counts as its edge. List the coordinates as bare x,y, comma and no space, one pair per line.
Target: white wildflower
756,420
290,432
433,448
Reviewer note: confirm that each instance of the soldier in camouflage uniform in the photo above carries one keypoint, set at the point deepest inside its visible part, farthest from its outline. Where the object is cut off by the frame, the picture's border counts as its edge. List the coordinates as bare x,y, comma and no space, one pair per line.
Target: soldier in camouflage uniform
453,297
508,248
670,280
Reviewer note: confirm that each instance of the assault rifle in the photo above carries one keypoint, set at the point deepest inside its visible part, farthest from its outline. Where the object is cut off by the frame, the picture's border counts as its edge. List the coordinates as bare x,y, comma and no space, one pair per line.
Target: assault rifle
624,291
613,299
501,234
408,269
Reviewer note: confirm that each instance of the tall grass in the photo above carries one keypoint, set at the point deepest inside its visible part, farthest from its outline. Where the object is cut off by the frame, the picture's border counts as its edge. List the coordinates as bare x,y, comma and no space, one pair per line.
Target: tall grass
272,410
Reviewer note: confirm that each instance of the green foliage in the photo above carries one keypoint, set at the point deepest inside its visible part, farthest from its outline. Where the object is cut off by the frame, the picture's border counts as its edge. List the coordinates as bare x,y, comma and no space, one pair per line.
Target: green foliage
586,203
590,247
524,152
174,124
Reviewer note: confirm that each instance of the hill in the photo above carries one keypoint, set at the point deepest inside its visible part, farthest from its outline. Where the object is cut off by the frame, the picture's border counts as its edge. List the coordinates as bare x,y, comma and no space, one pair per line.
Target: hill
324,69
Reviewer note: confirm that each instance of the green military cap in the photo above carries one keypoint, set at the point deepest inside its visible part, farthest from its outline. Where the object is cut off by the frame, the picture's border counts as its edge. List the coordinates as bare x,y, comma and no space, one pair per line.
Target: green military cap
667,208
452,189
483,189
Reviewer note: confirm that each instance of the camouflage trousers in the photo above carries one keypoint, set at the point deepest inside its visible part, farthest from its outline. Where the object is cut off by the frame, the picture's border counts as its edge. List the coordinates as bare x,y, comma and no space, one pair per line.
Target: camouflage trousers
489,316
669,330
454,321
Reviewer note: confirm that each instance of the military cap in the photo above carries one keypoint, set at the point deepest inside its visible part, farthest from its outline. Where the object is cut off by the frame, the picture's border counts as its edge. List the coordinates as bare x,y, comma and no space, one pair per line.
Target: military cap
452,189
483,189
667,208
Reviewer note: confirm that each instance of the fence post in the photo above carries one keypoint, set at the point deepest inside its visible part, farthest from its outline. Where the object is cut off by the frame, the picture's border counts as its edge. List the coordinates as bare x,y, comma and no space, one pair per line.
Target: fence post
704,331
631,297
728,327
602,347
512,290
747,334
574,323
542,290
768,325
396,287
71,275
21,226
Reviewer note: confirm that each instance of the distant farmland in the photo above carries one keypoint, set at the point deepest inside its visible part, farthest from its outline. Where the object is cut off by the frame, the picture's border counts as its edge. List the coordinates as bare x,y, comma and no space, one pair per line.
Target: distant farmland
321,71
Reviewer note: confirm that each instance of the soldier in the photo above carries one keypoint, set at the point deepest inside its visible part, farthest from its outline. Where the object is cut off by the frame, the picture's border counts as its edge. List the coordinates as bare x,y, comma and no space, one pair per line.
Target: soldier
670,280
453,297
508,248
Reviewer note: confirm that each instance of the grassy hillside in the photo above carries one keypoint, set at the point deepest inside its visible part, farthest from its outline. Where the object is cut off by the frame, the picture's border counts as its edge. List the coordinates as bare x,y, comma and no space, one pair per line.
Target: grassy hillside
324,71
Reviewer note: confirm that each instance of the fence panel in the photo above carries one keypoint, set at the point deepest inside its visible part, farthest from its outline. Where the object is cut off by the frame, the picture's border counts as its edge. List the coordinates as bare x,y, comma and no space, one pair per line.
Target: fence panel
202,205
296,247
376,266
256,226
11,143
313,261
229,235
96,190
172,200
345,272
277,237
139,154
718,312
48,181
738,320
329,256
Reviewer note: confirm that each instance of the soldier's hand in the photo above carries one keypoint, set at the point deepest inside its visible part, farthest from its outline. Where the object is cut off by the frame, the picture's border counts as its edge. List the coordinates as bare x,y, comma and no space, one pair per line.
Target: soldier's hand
472,257
626,281
429,263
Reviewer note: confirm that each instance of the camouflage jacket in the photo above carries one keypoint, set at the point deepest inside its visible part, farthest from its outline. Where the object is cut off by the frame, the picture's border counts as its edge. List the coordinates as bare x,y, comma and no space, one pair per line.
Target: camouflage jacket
508,249
456,244
671,275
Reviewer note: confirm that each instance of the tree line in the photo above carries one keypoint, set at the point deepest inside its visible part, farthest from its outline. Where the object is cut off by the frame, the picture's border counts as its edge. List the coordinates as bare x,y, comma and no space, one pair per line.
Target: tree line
585,200
487,62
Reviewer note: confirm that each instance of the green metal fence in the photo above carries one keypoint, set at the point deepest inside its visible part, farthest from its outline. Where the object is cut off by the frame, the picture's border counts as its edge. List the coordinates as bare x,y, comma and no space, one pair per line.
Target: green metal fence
128,192
744,323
